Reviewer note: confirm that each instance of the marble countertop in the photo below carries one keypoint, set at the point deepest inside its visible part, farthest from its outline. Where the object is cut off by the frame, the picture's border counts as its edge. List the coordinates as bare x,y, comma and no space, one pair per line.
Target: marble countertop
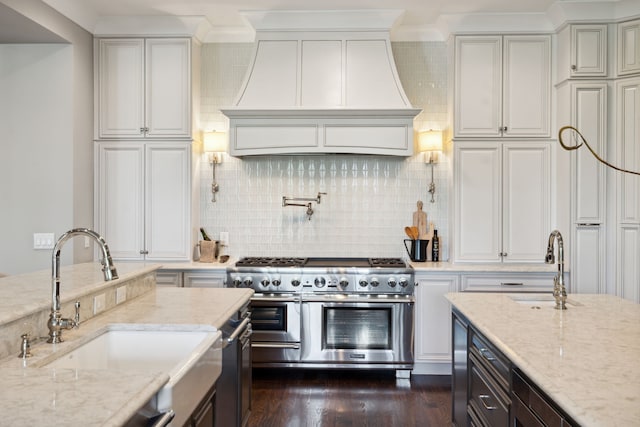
33,395
448,267
585,358
196,265
23,294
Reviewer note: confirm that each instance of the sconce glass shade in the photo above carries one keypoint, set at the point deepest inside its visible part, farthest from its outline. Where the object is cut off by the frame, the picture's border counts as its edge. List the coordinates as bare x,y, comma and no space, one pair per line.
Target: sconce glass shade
430,140
215,142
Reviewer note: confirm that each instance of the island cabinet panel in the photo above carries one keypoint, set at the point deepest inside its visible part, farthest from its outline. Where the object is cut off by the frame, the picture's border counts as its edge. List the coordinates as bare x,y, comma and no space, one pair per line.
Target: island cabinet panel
488,390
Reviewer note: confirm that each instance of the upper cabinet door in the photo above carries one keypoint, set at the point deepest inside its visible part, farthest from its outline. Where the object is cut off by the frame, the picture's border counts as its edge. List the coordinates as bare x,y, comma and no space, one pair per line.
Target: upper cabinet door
527,86
502,86
168,88
120,84
629,47
588,50
478,86
144,88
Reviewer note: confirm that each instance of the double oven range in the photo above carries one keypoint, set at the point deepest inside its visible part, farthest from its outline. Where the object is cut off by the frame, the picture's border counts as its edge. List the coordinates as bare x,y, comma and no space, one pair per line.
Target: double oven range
329,312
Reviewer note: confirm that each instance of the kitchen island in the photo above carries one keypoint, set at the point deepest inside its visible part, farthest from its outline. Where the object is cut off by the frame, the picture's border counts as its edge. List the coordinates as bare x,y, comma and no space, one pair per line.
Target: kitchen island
585,358
33,394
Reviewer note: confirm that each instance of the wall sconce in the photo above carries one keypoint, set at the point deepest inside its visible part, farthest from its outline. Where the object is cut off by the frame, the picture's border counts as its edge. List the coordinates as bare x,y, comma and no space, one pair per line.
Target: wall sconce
430,143
215,143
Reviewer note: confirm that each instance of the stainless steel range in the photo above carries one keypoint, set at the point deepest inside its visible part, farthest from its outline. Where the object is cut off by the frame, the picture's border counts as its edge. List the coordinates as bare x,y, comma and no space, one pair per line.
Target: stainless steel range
329,312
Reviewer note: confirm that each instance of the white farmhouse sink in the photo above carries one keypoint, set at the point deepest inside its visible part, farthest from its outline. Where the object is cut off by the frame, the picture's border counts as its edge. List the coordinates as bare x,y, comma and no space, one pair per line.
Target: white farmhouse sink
538,300
191,358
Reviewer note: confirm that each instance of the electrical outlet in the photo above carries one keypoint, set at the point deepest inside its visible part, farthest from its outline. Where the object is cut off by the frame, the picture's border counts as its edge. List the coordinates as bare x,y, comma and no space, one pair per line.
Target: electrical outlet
224,238
121,294
99,303
44,240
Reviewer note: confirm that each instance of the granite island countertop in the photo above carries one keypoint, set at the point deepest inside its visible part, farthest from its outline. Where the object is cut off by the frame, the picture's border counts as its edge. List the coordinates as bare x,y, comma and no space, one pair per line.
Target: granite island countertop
34,395
584,358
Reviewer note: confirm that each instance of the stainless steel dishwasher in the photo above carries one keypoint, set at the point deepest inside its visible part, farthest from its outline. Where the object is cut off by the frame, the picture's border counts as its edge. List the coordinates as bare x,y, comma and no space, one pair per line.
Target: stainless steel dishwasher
233,389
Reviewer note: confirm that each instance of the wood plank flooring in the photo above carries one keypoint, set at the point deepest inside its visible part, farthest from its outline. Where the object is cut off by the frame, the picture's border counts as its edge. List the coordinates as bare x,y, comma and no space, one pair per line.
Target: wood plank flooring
339,398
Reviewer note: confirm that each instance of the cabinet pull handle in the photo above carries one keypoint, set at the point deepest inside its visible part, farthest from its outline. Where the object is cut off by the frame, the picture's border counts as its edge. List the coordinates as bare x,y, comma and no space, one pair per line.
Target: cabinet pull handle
484,398
143,252
484,351
511,284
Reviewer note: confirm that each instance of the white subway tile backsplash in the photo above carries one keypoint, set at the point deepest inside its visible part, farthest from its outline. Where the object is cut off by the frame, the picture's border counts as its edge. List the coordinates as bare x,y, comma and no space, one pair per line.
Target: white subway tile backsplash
370,199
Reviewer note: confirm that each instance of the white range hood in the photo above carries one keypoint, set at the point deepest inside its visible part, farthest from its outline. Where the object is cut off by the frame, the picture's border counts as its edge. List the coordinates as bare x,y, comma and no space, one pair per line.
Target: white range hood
322,82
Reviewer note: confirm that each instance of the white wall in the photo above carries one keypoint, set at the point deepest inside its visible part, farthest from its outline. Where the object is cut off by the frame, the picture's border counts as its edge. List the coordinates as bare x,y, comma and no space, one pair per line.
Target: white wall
46,123
370,199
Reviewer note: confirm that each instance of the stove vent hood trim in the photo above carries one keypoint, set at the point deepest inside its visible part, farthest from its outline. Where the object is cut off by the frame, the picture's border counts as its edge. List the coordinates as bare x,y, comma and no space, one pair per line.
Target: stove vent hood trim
322,90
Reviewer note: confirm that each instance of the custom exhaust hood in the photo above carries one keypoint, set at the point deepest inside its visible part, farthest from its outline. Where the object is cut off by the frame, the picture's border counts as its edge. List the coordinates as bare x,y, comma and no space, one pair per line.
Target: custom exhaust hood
322,82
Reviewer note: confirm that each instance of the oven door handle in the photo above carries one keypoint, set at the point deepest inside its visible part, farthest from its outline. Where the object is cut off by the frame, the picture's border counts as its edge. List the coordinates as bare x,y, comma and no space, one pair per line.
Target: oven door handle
357,299
275,299
274,345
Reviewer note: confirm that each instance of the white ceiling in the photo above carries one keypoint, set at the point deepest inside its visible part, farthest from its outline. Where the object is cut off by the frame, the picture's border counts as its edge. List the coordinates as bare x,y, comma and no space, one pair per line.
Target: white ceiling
224,13
224,16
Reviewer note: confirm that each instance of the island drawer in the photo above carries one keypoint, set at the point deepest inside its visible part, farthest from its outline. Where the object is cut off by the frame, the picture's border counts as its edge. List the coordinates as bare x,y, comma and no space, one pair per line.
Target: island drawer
491,359
532,408
488,403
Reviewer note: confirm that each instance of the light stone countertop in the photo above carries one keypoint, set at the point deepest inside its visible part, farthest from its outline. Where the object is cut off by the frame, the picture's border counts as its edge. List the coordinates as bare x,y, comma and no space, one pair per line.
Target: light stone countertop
448,267
196,265
24,294
33,395
585,358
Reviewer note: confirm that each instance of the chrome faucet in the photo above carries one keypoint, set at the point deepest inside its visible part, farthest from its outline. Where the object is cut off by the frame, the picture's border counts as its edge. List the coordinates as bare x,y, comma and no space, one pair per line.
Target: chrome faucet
559,290
56,323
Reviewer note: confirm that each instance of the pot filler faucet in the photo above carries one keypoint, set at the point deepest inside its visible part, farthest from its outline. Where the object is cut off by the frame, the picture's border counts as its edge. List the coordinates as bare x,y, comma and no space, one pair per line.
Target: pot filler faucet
559,290
56,323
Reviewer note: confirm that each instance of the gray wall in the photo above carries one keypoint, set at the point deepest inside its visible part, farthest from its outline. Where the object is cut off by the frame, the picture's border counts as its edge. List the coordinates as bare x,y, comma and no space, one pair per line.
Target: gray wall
46,130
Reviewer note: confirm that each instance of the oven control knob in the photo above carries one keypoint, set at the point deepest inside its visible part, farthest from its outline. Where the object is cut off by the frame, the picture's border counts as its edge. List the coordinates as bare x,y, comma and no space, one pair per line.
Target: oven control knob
363,283
320,282
248,281
392,282
343,282
236,282
374,282
404,283
265,282
276,282
295,282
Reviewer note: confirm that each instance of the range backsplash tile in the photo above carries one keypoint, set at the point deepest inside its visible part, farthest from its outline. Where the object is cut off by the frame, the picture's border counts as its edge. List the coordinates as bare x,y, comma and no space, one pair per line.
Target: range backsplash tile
369,199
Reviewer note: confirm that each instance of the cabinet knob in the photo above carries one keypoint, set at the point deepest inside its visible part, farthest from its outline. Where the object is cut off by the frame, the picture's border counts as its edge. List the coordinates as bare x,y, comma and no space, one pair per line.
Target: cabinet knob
574,68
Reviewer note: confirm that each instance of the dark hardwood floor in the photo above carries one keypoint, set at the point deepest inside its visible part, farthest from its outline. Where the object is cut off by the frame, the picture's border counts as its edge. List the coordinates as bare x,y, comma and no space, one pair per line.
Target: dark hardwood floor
339,398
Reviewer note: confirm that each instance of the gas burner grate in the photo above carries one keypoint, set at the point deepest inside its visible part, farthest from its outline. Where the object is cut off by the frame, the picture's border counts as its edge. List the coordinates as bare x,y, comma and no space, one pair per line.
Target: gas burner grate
387,262
271,262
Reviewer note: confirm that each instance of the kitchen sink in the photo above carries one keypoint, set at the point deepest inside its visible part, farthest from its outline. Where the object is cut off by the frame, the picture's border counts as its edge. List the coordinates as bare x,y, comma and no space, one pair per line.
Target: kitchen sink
538,300
191,358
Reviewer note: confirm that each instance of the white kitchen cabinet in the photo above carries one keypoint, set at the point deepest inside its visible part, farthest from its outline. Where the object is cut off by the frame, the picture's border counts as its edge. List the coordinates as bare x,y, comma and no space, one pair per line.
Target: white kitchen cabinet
433,323
588,195
502,201
143,199
509,282
582,51
629,47
628,189
502,86
204,279
170,278
143,88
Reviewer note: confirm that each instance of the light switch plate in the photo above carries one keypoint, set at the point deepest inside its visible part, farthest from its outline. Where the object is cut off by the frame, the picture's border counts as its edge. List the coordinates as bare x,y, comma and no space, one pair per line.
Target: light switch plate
44,240
99,303
121,294
224,238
